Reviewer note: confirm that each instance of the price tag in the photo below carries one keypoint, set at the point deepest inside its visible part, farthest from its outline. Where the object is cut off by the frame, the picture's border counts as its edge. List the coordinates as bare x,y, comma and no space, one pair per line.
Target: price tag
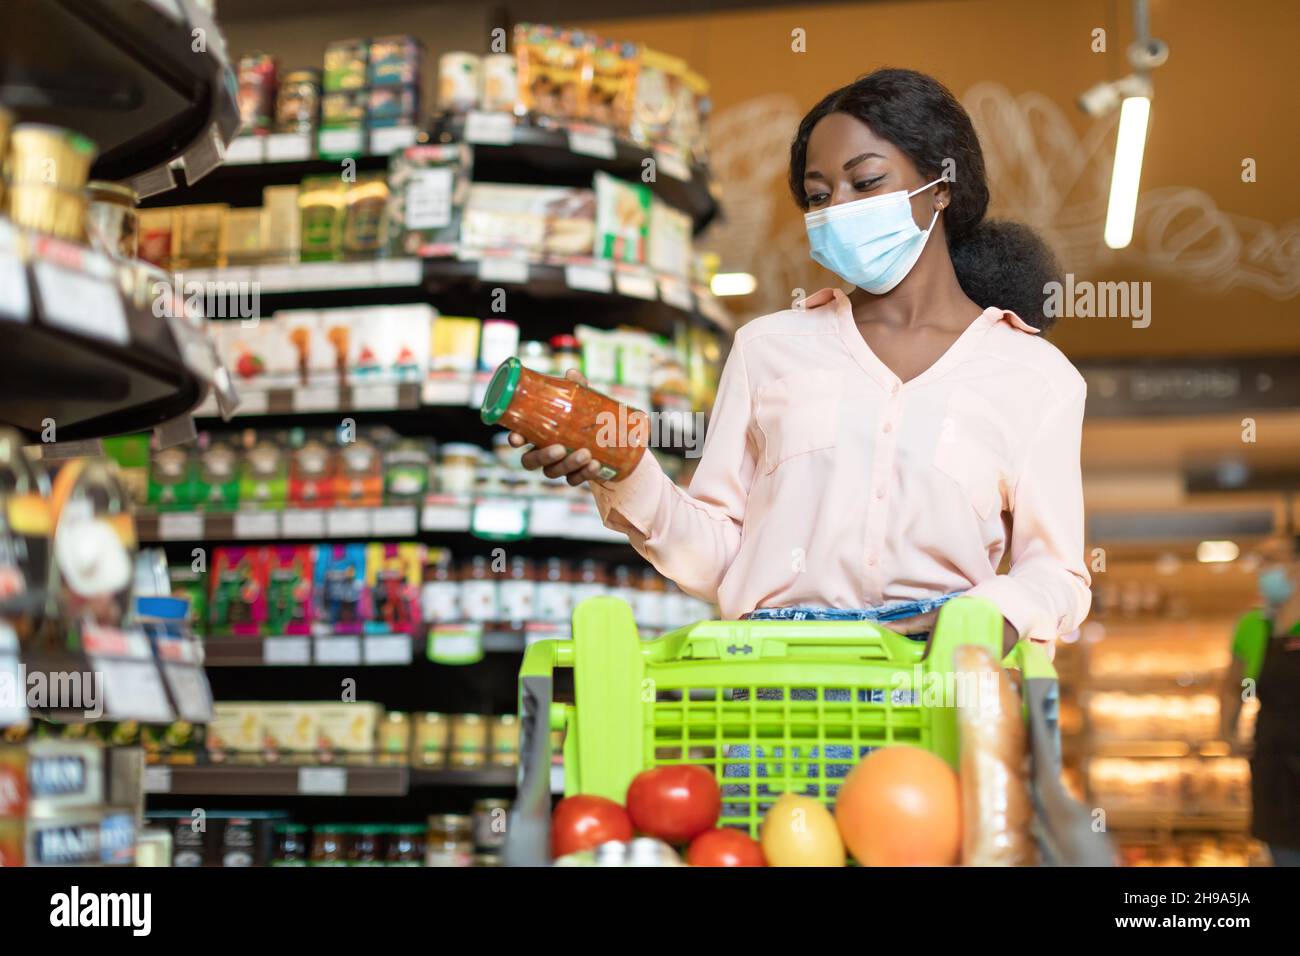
348,523
636,285
548,517
286,651
374,397
288,147
180,526
389,139
157,779
502,269
253,401
81,303
429,198
341,142
257,524
489,129
446,388
279,278
338,650
323,781
316,399
456,644
392,272
677,293
347,275
388,649
445,516
13,704
397,521
596,142
133,690
190,692
303,523
672,164
15,302
244,150
588,278
557,778
500,517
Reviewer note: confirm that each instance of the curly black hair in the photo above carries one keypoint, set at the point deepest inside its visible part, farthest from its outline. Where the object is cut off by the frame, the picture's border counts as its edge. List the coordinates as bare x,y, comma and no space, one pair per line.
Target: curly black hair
998,263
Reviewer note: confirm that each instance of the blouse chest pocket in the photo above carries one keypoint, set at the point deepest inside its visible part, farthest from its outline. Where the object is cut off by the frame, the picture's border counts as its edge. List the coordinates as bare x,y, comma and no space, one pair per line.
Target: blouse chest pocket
797,414
967,451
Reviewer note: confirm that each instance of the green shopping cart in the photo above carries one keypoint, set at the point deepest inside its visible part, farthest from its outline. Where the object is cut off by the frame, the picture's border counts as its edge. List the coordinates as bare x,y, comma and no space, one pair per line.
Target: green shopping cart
769,707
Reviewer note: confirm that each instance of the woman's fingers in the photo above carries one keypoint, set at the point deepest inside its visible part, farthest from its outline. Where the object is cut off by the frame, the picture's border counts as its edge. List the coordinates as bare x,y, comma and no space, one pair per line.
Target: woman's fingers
588,473
517,440
541,457
573,375
568,464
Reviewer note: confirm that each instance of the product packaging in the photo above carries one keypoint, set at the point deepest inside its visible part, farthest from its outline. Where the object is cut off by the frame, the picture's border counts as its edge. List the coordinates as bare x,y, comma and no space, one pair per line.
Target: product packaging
311,472
241,236
613,67
406,472
289,732
393,573
363,231
458,81
622,218
346,732
344,109
393,106
235,733
337,331
290,578
321,201
257,89
238,601
395,61
193,587
218,481
500,86
346,65
297,108
670,248
94,543
198,241
550,68
173,479
282,222
499,341
359,474
340,592
157,227
244,345
428,186
454,345
263,471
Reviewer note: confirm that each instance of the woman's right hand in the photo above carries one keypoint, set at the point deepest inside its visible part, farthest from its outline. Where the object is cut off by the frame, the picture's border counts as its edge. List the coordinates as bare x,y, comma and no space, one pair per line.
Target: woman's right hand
554,460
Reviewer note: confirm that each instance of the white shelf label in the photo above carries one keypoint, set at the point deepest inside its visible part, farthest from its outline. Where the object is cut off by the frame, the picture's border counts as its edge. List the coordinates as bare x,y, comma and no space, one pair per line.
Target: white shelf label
323,781
15,302
133,690
157,779
489,129
374,397
557,778
190,692
348,523
389,139
429,198
288,147
286,651
338,650
253,401
397,521
671,164
244,150
256,524
388,649
677,293
592,142
303,523
500,517
447,389
636,285
180,526
588,278
438,516
456,644
81,303
319,399
399,272
548,517
279,278
502,269
335,142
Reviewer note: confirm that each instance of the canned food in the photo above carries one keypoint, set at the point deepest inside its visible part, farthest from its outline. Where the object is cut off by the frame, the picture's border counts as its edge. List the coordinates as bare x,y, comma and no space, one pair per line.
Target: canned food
48,166
469,741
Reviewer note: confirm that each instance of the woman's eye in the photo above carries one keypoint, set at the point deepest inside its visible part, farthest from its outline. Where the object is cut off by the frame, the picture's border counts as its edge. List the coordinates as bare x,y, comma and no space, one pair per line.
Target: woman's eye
863,185
816,199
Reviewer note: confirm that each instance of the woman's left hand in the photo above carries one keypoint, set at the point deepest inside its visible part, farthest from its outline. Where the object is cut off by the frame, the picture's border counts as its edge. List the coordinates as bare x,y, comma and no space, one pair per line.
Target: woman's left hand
924,624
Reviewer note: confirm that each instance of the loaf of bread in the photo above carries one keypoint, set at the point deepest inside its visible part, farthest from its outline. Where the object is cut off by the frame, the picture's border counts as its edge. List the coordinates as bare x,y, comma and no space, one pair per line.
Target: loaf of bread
996,806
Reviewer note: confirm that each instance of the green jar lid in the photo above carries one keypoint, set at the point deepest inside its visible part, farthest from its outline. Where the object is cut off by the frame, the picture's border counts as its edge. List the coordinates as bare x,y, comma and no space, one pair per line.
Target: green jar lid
369,829
409,829
290,828
500,390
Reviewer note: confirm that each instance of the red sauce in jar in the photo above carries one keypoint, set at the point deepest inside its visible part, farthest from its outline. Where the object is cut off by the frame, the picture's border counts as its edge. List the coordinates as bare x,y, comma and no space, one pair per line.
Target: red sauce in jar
548,410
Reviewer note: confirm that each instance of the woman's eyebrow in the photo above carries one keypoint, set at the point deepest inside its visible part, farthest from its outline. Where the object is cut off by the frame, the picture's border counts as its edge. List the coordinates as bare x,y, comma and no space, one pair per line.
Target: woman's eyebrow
859,158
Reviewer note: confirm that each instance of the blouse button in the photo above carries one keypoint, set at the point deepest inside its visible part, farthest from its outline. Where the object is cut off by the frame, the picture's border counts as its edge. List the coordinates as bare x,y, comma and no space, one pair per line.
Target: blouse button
893,389
880,492
888,427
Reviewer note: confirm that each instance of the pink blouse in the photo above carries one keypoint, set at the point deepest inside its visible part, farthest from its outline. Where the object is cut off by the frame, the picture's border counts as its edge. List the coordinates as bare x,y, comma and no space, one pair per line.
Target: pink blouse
826,480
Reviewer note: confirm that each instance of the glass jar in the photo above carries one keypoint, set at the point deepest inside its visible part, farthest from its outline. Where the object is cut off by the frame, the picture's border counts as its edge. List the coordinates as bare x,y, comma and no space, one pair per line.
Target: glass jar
458,468
432,739
329,845
440,592
449,840
297,107
648,607
537,356
290,845
478,591
469,741
518,592
566,353
112,223
405,845
548,410
555,592
364,850
592,581
505,740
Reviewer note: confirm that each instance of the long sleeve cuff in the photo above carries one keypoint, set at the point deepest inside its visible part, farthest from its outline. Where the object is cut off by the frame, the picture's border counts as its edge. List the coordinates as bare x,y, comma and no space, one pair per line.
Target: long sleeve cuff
1024,608
635,498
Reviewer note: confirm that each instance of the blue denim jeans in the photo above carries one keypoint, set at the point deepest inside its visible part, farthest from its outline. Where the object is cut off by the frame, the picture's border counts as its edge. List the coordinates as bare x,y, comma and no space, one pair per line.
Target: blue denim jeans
816,771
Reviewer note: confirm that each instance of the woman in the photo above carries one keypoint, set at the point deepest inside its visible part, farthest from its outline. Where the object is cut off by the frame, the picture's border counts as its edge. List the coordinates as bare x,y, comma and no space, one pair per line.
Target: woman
890,445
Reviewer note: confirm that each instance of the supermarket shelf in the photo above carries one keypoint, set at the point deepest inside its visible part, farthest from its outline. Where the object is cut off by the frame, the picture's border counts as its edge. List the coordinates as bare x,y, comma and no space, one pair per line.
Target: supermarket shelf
81,355
329,400
126,74
532,154
492,776
1162,820
495,519
368,650
278,781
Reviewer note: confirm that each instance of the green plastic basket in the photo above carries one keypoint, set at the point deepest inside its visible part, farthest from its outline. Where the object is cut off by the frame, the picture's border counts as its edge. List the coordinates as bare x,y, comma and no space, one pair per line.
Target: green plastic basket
770,707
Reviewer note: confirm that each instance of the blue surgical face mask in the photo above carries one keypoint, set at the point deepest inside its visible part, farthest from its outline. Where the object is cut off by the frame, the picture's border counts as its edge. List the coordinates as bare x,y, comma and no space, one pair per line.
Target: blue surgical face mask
872,243
1276,587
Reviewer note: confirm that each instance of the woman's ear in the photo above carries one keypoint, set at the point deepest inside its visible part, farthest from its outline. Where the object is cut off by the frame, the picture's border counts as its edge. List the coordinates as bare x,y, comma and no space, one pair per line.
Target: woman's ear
942,195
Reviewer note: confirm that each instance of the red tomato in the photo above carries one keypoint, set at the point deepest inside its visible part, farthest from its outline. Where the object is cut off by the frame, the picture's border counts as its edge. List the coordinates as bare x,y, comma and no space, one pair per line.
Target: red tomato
581,822
674,803
724,848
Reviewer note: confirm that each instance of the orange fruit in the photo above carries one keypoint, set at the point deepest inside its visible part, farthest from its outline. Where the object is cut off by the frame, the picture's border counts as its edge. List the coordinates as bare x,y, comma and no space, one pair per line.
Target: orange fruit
901,806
